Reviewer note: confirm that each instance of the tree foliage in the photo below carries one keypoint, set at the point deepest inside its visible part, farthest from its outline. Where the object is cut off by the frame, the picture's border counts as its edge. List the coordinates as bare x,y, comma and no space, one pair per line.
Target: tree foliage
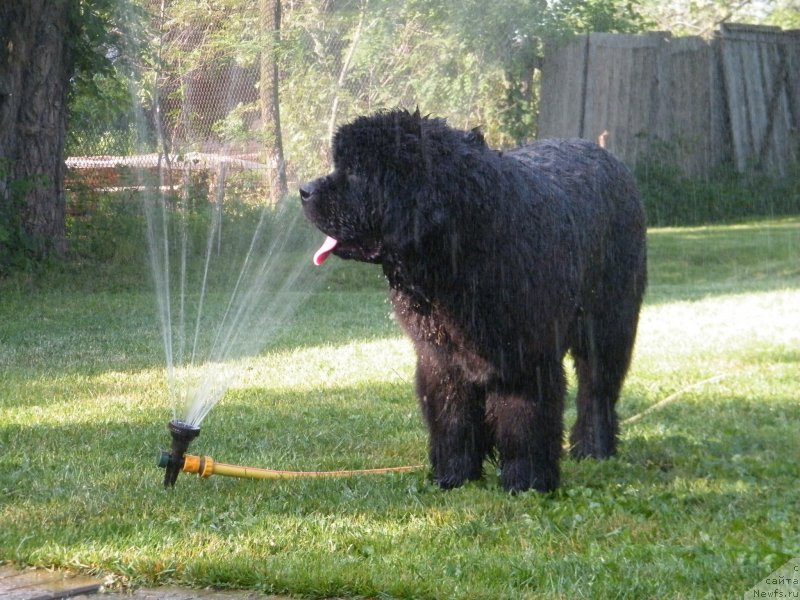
46,49
474,62
785,14
702,17
108,39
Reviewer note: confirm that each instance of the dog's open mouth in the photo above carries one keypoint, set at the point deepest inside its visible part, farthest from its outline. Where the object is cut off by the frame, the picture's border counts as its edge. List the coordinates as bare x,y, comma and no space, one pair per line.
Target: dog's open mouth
325,250
344,249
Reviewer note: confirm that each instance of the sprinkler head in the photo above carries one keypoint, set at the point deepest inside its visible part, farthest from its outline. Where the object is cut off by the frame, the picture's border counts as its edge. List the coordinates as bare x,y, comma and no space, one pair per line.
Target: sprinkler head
182,435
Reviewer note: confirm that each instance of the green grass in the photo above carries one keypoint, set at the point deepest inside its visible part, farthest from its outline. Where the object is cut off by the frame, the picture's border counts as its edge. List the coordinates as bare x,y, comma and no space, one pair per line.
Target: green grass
701,502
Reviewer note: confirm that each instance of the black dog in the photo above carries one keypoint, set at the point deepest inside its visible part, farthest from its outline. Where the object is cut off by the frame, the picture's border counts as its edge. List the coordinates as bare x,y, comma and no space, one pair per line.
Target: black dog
499,263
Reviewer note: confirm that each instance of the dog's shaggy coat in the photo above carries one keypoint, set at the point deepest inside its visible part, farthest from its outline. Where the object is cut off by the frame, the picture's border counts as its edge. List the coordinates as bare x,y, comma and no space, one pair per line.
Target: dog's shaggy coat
498,263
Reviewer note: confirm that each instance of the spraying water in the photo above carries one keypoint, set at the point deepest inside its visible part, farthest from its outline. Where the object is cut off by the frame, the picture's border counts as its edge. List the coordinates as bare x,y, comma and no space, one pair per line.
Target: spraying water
228,273
229,304
229,257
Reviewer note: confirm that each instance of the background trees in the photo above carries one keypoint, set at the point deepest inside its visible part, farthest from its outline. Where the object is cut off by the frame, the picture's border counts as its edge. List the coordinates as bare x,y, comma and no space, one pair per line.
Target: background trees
269,80
701,17
52,53
36,62
473,61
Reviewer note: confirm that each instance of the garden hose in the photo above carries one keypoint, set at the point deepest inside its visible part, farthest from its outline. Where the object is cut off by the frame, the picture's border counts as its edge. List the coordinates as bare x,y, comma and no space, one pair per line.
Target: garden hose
205,467
177,460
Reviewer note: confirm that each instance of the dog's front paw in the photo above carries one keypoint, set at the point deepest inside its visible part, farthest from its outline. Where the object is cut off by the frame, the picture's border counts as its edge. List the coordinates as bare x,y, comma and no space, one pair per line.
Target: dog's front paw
522,475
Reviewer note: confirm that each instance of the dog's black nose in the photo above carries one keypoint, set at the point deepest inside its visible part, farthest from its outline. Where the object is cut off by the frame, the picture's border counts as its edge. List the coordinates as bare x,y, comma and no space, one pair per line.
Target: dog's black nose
306,190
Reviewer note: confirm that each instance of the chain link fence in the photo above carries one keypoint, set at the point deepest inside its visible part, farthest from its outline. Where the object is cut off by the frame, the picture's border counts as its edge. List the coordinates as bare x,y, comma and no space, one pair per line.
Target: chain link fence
200,97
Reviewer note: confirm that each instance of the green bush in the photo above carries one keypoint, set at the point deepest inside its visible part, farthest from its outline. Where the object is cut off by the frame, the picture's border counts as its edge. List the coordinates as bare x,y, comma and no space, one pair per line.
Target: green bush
109,232
672,199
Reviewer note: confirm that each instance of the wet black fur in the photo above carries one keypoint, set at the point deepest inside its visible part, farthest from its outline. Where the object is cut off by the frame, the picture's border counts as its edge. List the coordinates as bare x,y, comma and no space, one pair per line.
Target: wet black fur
499,263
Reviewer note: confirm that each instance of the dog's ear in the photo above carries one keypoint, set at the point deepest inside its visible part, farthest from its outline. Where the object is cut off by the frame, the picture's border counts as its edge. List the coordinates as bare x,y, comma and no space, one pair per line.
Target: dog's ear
412,221
474,137
419,116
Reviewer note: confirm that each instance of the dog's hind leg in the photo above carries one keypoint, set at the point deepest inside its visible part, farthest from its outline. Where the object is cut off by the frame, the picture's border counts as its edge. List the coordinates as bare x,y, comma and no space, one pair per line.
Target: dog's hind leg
602,356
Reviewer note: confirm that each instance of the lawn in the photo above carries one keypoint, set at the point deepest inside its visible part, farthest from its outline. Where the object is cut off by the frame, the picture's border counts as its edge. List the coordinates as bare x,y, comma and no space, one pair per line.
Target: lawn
702,501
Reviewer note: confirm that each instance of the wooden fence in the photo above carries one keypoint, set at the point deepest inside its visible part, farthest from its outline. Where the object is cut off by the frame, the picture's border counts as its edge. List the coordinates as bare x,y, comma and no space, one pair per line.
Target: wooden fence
701,104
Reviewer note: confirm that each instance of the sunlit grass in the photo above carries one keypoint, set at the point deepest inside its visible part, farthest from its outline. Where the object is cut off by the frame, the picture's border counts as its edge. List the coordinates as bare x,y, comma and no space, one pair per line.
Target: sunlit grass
691,262
701,502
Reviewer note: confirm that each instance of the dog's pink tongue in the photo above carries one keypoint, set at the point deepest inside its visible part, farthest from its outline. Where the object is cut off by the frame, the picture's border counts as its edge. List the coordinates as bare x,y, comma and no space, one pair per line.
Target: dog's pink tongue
327,247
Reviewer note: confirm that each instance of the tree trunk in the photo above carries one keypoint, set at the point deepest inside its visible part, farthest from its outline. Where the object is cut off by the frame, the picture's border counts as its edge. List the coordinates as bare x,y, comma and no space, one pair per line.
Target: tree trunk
35,67
270,105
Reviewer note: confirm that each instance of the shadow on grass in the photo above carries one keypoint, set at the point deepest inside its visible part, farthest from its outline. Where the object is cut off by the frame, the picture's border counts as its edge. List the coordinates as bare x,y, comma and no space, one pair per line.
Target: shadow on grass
88,493
364,426
71,326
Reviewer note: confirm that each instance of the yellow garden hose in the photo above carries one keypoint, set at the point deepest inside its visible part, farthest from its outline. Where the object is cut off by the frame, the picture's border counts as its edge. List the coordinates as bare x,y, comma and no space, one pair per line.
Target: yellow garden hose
205,466
177,460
